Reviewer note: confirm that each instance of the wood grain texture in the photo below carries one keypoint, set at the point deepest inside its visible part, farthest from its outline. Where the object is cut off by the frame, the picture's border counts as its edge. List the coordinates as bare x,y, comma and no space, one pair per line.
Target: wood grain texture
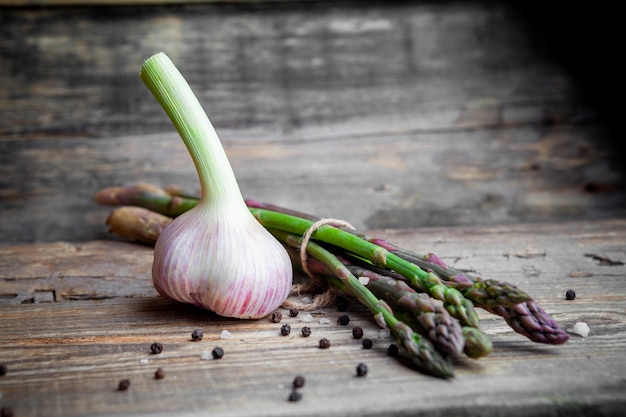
461,113
397,115
400,177
73,71
66,355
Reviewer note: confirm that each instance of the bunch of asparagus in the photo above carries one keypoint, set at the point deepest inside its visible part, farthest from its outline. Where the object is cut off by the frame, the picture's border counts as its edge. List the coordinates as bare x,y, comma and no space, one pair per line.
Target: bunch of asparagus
428,306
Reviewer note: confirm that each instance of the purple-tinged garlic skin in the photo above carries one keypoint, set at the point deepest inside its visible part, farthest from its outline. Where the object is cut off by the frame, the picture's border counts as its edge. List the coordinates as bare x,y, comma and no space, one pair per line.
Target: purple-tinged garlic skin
217,255
228,264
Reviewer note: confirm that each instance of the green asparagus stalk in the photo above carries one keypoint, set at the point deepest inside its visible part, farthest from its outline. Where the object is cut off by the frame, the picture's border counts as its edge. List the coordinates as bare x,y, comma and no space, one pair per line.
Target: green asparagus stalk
457,305
433,320
418,349
523,314
148,197
520,311
483,293
477,343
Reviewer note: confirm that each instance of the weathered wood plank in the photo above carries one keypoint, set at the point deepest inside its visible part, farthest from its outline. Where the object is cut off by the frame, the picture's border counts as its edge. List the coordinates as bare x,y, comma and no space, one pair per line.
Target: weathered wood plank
396,176
396,115
66,358
73,71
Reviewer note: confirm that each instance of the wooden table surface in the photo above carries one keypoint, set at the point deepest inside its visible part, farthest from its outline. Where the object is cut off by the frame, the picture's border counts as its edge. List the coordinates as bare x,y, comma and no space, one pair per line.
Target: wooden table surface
453,128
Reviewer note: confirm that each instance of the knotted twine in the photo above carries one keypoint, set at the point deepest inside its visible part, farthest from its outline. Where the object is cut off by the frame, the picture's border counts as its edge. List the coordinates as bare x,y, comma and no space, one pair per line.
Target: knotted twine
330,293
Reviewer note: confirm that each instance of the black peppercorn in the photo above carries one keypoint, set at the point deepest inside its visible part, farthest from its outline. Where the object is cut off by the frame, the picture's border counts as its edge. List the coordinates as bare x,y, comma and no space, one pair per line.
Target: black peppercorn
306,331
123,385
343,320
324,343
361,369
357,333
293,312
197,335
298,381
6,412
295,396
570,295
159,373
3,369
277,316
393,350
217,353
285,329
156,348
367,343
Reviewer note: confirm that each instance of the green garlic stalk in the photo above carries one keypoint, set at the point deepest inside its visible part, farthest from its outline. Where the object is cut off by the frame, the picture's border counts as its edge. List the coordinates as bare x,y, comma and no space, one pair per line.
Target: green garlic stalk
215,255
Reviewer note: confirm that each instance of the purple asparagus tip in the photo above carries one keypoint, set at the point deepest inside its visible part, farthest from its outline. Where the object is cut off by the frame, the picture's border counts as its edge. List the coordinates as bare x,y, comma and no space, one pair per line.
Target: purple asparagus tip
434,259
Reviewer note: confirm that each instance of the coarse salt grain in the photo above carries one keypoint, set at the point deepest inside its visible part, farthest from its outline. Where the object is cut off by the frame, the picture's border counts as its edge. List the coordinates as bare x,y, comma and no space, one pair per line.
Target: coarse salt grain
206,355
384,333
325,321
306,300
364,280
306,318
225,334
144,360
581,328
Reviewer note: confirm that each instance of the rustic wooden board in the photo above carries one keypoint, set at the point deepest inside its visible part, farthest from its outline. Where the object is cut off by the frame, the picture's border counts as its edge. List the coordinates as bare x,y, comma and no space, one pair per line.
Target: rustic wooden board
384,178
390,115
73,71
65,355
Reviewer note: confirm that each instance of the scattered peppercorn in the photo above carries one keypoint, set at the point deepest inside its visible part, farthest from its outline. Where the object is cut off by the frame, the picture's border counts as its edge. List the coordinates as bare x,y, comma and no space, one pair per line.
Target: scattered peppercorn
123,385
295,396
361,369
306,331
367,343
293,312
156,348
324,343
343,320
285,329
217,353
393,350
357,333
3,369
277,316
197,335
6,412
298,381
570,295
159,373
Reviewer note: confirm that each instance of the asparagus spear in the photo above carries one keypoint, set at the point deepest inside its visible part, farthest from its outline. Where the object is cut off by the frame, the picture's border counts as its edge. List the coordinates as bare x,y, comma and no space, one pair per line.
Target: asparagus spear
137,224
418,349
523,314
483,293
428,282
477,343
520,311
433,320
530,320
146,196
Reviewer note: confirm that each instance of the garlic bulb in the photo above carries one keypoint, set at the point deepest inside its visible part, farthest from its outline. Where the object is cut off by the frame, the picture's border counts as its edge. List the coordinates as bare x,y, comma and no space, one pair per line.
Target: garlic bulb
217,255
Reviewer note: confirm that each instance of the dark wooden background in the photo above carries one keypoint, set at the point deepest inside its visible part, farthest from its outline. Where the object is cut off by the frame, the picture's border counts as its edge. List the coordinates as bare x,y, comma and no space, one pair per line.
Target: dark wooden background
488,132
395,114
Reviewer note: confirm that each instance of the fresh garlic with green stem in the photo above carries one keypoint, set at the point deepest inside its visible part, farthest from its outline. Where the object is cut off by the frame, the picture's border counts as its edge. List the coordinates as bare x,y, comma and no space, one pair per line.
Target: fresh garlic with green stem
217,255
